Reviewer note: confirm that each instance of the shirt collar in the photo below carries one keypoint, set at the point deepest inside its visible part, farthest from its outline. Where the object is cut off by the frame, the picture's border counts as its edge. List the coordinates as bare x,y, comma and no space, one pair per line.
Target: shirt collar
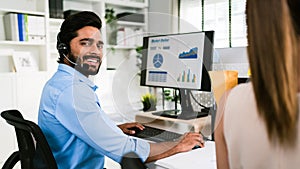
77,75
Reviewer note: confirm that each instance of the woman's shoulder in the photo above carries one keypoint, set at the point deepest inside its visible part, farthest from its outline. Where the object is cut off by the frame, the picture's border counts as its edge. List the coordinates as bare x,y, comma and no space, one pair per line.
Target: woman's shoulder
242,89
241,95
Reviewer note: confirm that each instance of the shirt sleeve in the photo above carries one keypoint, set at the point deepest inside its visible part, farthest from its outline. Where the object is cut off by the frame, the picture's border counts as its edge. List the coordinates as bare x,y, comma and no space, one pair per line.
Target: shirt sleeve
78,110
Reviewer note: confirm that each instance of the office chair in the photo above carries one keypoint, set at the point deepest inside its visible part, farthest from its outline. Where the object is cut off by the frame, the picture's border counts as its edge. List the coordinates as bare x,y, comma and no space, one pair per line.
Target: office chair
34,151
132,161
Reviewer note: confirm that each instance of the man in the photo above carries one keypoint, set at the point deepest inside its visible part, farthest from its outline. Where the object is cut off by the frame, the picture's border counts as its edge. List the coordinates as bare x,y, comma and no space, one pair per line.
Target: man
78,131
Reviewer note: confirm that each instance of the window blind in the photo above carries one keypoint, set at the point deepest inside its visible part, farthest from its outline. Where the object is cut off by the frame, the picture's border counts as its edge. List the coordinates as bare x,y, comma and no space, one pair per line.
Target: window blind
229,32
190,16
216,17
238,23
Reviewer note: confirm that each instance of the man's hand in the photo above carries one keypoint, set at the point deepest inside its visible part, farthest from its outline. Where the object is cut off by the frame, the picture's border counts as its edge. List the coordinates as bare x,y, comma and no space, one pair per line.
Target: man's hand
126,127
165,149
189,141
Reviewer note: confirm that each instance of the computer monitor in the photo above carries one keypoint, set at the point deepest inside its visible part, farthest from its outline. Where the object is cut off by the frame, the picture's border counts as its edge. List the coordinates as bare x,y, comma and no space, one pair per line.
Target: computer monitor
180,61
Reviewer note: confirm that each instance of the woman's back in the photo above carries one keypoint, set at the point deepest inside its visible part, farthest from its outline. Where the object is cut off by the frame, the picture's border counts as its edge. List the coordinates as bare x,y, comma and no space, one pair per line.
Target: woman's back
246,135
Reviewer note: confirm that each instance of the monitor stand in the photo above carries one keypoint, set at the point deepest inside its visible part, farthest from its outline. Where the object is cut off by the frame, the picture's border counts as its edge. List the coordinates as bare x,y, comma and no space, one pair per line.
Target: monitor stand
187,112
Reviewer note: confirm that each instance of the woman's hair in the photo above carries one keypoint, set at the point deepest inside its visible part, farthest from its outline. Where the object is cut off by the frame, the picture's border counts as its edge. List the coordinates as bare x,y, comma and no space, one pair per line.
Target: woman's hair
295,13
72,24
273,61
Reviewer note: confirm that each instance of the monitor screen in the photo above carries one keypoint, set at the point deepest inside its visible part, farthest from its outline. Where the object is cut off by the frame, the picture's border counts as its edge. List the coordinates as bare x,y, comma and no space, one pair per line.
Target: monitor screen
177,60
180,61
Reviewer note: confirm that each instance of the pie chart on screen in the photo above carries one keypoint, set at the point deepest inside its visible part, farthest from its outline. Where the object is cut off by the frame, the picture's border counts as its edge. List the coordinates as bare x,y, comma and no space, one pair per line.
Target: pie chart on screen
158,60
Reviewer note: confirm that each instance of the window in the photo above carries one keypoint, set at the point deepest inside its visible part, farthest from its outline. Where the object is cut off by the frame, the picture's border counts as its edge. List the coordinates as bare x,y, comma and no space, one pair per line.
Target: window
230,28
238,23
216,17
190,16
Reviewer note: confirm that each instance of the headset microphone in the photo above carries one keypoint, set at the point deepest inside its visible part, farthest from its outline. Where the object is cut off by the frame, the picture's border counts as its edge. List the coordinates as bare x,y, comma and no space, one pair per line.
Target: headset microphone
83,66
69,60
63,50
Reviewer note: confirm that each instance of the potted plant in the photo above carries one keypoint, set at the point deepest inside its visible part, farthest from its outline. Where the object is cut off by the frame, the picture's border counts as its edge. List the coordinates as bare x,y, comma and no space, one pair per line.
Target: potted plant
170,99
149,102
139,50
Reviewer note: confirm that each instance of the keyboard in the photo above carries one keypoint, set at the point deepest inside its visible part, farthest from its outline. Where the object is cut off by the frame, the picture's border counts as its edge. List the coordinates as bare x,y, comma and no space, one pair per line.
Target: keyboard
156,135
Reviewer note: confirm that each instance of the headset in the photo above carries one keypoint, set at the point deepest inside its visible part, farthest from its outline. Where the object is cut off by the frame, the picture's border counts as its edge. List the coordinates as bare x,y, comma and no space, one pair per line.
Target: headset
63,49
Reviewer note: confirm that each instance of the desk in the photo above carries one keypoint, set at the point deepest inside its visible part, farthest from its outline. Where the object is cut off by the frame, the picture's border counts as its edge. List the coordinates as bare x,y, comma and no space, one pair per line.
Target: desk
199,158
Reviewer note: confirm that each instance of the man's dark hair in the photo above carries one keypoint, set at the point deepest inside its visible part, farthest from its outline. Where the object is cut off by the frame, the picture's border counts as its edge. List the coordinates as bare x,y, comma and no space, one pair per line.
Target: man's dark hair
72,24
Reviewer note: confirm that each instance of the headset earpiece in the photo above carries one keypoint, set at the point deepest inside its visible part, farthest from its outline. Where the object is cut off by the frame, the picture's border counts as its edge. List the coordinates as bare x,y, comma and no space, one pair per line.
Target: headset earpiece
62,49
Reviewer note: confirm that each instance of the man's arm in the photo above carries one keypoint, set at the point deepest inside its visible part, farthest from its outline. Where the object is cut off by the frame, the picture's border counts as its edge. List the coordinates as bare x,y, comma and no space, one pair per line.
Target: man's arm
166,149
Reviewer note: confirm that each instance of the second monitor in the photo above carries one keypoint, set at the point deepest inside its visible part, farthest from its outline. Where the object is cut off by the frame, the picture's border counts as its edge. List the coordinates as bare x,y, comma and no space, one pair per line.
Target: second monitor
179,61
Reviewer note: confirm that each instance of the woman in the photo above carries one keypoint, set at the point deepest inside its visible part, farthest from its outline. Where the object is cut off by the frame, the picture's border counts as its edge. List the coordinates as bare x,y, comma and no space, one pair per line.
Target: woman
258,122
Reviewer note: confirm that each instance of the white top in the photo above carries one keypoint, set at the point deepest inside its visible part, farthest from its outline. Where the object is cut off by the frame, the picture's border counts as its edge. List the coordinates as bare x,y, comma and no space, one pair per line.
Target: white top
246,135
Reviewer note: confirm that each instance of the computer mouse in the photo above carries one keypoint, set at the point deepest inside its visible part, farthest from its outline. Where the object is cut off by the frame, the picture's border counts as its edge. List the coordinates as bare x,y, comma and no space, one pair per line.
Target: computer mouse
196,147
136,129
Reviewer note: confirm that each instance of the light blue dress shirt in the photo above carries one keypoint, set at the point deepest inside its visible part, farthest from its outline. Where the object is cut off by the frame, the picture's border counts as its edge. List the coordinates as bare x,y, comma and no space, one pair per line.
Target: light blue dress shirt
78,131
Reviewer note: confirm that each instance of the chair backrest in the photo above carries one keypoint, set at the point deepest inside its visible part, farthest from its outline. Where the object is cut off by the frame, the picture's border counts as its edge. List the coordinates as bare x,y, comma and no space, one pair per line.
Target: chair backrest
34,151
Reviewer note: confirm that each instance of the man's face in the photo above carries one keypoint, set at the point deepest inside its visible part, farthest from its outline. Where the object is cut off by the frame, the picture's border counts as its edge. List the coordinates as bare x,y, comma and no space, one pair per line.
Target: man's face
86,49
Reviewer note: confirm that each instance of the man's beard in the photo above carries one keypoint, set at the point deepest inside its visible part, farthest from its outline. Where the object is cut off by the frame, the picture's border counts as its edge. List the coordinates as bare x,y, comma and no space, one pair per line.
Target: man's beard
84,68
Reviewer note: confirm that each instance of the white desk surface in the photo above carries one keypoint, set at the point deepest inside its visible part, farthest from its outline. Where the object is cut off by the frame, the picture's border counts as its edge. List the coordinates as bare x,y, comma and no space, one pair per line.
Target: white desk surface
195,159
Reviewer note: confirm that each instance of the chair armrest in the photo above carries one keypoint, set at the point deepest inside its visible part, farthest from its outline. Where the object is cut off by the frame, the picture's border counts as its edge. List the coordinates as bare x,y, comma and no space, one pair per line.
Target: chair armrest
132,160
12,160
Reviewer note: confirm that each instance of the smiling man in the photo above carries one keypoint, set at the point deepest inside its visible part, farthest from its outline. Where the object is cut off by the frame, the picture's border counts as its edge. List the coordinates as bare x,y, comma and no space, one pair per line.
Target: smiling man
86,44
79,133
